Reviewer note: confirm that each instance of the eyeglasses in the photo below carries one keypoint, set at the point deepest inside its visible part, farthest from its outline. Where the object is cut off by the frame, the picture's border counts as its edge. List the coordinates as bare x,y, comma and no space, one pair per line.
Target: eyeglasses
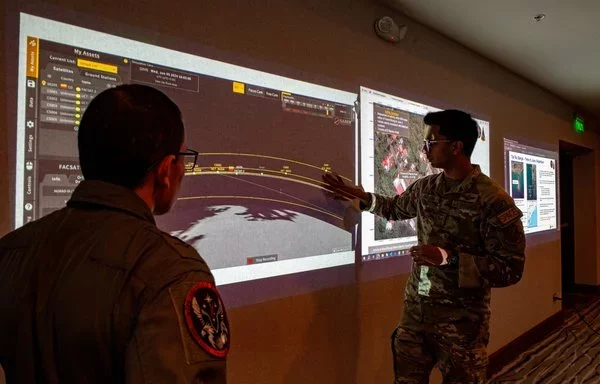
428,143
190,158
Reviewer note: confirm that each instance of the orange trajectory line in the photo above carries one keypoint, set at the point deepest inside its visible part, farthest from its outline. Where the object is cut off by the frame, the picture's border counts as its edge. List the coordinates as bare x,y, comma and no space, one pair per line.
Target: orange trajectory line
265,157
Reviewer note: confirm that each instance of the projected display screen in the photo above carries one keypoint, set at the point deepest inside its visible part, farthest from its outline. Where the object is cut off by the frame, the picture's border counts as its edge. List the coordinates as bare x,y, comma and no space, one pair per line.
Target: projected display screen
392,133
530,175
255,206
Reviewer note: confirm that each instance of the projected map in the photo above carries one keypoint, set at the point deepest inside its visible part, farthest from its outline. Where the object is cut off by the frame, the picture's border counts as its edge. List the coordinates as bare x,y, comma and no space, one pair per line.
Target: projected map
256,196
399,162
392,133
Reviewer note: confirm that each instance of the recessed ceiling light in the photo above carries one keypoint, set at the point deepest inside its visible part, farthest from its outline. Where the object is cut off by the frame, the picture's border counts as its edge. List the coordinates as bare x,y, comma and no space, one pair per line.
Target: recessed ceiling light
539,17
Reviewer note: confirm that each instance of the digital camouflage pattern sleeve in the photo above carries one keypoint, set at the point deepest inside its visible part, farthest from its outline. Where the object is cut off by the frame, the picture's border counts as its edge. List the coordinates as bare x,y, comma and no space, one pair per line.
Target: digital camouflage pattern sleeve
399,207
503,261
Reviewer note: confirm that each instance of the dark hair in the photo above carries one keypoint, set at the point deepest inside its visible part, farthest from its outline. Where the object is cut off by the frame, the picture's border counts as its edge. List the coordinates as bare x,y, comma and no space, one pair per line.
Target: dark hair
125,131
456,125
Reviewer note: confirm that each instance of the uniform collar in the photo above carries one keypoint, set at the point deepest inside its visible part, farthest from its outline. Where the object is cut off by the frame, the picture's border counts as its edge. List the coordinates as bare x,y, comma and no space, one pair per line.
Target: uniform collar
464,185
110,196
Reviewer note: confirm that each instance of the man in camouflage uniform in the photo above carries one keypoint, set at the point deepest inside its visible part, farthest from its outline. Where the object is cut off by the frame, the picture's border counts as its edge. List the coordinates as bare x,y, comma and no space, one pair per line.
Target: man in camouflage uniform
95,292
470,239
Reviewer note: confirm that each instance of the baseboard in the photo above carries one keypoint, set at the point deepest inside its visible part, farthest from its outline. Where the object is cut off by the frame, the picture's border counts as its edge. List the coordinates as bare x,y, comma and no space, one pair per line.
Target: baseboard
509,352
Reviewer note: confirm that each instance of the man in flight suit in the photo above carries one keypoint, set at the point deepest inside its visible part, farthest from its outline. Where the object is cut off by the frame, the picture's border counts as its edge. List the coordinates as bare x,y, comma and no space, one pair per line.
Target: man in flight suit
470,239
95,292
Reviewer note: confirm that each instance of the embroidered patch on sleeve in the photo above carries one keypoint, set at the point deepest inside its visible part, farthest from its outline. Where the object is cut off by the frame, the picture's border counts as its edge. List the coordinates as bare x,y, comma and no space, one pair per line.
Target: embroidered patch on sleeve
509,215
207,320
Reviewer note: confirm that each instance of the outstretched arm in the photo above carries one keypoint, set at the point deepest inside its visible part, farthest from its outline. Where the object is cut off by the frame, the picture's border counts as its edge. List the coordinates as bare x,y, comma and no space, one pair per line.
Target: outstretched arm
399,207
343,191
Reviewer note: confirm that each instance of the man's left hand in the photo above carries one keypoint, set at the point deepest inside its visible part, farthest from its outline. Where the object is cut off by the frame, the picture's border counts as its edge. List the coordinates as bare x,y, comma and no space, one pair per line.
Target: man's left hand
426,255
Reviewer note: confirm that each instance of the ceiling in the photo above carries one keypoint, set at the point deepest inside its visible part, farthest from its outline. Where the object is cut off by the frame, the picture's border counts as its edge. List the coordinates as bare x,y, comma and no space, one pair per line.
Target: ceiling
561,53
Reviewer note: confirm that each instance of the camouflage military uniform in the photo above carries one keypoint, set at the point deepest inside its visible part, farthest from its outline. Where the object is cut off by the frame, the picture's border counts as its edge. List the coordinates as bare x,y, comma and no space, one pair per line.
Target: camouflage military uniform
95,293
446,312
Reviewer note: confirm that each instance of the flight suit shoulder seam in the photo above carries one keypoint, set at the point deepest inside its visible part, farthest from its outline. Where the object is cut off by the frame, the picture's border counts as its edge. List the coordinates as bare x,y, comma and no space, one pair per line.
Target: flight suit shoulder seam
165,240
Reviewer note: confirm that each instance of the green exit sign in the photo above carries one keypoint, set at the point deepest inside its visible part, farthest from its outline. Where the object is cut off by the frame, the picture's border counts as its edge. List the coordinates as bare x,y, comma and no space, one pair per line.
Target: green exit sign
579,124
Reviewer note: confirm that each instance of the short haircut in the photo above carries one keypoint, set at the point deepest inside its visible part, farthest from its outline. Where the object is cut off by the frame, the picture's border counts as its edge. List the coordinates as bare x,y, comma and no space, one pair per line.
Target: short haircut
456,125
125,131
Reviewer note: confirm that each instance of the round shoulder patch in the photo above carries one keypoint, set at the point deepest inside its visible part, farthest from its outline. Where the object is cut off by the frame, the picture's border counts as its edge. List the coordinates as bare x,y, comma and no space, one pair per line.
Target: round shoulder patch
207,320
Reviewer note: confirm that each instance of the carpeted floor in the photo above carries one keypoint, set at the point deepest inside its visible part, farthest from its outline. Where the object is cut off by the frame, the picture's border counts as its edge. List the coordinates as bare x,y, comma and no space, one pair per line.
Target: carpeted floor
570,355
